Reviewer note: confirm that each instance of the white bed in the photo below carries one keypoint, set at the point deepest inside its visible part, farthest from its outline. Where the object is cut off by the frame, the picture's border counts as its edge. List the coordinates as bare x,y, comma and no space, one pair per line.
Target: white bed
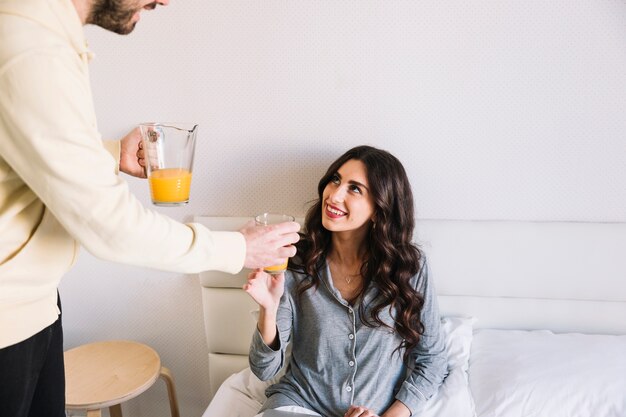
555,281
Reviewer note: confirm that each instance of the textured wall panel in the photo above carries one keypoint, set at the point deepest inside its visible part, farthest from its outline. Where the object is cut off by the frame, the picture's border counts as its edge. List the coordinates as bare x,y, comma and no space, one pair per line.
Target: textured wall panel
499,110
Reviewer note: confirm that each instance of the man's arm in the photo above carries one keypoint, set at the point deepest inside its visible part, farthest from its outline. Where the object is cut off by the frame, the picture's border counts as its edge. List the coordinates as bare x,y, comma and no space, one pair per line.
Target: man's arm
50,139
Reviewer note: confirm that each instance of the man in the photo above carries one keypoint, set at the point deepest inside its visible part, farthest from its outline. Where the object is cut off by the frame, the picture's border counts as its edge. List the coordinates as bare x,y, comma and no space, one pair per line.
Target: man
59,190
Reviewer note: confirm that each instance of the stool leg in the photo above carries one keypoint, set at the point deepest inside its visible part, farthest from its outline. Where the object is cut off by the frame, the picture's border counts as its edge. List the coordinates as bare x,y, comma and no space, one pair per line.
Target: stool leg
115,410
166,375
94,413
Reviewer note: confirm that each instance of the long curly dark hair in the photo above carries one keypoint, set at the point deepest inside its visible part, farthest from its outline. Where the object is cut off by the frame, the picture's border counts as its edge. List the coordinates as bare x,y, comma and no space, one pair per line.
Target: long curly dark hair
391,259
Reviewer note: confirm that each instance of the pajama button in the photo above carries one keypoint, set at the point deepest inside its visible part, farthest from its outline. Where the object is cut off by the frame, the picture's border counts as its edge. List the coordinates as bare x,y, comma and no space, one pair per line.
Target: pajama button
350,336
351,363
348,389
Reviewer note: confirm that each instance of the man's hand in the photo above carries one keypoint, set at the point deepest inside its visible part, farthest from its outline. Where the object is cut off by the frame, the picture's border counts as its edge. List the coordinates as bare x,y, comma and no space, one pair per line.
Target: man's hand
269,245
131,154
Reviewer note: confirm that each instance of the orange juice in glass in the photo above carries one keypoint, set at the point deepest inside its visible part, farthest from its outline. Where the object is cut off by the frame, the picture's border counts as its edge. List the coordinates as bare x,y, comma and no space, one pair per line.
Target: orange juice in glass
169,150
267,219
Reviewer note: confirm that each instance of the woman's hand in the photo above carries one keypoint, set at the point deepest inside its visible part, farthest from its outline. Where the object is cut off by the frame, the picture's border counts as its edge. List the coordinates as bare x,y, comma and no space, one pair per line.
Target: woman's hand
359,411
265,289
397,409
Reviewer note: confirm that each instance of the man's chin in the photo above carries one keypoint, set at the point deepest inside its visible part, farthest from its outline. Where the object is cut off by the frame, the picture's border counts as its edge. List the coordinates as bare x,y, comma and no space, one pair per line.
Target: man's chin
120,30
128,29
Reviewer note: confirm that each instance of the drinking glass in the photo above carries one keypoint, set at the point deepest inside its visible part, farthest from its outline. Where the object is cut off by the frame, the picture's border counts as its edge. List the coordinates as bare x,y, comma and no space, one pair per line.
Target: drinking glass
266,219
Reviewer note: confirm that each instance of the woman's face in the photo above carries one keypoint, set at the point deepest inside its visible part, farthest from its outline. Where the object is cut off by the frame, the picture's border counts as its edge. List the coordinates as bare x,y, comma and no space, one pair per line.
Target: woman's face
347,204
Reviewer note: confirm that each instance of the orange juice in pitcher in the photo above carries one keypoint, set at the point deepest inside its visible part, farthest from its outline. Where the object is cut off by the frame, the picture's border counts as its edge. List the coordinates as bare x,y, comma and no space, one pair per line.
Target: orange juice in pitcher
170,185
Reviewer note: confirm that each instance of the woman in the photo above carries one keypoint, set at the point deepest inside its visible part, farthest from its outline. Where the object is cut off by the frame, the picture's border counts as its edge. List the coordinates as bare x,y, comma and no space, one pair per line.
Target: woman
357,305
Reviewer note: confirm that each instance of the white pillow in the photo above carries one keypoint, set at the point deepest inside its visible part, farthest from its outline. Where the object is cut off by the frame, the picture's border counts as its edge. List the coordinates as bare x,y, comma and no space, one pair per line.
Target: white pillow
458,332
538,373
452,400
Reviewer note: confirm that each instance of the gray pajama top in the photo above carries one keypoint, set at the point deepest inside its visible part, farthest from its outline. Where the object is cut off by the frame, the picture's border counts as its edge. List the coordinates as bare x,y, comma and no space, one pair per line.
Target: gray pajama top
337,361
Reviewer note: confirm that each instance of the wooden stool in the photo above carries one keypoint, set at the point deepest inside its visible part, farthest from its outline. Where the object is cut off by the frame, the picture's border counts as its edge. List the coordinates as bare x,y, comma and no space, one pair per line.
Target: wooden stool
105,374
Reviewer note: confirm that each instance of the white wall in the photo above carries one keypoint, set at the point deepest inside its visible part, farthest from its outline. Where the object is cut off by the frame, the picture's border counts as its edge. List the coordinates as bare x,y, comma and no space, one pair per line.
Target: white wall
498,109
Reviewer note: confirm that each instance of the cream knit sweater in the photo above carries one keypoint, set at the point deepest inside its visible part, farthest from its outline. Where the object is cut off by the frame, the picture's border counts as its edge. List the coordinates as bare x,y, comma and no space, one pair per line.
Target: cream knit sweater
58,184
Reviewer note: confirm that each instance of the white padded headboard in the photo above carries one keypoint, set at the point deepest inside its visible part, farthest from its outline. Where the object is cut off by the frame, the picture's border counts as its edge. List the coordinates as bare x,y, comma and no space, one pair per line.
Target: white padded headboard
565,277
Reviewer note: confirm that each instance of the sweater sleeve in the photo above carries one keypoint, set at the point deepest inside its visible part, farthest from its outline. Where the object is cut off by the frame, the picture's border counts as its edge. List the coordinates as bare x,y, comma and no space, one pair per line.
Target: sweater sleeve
50,139
113,147
429,356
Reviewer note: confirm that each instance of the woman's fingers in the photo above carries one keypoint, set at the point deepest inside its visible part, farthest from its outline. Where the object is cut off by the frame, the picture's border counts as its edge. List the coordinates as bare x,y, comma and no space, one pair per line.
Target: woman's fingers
359,411
252,279
255,274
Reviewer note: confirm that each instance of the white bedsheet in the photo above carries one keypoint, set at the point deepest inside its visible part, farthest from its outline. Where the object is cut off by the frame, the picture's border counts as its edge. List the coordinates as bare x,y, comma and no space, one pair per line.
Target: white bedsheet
516,373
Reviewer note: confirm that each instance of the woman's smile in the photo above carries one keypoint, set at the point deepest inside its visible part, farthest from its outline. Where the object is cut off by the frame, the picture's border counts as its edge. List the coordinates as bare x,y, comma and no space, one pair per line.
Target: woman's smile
333,212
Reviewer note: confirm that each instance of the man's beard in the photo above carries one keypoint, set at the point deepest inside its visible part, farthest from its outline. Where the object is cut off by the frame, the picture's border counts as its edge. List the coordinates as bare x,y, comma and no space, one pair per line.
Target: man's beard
114,15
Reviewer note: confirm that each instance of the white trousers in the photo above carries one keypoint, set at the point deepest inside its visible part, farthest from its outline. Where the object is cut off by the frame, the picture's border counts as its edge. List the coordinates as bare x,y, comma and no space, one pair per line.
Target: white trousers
294,409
